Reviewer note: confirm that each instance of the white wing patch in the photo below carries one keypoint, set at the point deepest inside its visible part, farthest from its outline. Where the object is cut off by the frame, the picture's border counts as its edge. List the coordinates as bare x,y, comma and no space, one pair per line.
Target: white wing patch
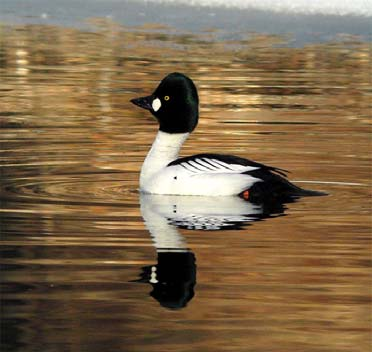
206,166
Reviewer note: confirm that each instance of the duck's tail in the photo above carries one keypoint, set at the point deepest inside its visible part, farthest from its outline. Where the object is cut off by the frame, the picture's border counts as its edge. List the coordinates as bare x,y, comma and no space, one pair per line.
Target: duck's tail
296,191
277,188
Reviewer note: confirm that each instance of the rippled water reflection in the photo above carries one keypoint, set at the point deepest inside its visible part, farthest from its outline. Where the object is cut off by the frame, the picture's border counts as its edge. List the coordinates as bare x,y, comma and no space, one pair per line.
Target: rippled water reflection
76,250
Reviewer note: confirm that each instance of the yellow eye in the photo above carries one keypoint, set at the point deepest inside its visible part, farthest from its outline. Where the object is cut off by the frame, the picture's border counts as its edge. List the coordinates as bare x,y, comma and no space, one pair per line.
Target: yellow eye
166,98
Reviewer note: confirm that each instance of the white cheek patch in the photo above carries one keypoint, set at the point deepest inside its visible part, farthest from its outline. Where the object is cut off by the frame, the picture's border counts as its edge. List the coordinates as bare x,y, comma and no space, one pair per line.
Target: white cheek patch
156,104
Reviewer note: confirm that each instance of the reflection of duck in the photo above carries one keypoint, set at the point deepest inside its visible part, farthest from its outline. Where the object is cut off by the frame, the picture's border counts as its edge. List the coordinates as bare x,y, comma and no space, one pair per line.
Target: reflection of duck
175,104
206,213
174,277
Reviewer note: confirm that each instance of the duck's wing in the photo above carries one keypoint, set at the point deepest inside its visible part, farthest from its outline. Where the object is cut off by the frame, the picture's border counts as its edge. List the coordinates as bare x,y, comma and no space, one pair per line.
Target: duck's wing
262,181
221,163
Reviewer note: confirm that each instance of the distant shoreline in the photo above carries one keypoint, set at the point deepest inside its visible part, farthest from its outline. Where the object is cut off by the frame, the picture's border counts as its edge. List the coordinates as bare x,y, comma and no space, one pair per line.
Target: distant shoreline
303,28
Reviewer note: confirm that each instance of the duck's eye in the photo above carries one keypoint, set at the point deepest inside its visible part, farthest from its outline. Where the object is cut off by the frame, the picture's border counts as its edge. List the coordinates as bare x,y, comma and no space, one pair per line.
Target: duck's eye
166,98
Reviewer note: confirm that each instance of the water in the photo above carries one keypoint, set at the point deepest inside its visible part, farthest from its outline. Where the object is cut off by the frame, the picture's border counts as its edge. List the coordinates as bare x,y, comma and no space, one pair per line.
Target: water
85,256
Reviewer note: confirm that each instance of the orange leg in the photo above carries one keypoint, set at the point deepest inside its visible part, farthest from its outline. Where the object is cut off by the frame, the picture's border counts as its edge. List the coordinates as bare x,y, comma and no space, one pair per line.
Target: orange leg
246,194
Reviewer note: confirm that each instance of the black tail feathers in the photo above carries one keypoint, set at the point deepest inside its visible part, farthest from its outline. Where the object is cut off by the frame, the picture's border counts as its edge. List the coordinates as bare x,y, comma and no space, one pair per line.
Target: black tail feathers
300,192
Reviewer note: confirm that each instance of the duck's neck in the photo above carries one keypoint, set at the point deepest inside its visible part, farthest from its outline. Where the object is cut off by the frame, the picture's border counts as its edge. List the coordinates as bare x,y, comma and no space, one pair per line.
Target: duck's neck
165,149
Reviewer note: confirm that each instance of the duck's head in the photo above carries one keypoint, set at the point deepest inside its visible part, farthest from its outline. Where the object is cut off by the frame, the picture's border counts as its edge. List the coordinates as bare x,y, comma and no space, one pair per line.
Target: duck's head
174,103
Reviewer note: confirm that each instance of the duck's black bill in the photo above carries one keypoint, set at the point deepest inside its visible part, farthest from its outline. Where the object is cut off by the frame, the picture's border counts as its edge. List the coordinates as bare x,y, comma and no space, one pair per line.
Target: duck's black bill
143,102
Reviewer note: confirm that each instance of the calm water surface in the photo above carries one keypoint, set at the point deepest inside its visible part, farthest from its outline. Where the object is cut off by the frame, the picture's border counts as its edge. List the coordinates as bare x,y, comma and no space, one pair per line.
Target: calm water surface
89,264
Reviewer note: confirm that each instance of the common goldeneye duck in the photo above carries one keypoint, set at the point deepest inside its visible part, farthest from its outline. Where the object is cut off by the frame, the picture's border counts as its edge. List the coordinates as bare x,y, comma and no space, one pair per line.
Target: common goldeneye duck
175,104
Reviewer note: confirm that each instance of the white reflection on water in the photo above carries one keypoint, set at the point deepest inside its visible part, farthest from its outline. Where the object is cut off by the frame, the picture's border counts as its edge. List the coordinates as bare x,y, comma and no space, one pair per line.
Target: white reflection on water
196,213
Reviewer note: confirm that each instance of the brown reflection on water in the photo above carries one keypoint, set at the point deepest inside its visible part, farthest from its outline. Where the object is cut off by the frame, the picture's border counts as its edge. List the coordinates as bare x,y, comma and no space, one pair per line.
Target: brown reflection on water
72,232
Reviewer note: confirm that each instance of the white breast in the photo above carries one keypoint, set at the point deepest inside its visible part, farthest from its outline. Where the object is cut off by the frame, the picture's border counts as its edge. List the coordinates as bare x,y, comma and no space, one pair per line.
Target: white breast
200,176
164,150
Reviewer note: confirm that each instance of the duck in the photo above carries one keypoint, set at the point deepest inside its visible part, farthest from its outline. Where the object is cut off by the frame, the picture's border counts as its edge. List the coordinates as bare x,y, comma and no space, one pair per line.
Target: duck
175,106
